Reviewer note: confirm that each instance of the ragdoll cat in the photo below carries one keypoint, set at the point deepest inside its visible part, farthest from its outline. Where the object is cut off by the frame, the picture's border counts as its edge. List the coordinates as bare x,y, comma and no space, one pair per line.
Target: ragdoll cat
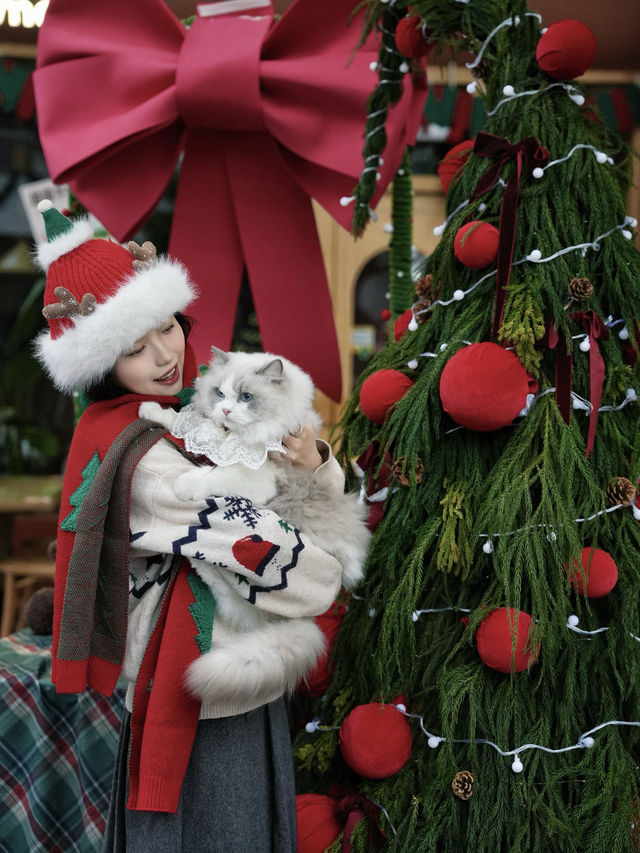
241,409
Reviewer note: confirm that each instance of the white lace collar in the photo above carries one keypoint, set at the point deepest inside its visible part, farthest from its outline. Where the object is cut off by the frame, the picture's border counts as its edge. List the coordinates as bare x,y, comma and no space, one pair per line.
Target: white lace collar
204,438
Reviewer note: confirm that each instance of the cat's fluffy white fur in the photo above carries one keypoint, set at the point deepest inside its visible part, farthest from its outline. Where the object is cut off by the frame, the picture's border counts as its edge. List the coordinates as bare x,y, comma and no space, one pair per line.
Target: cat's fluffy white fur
264,650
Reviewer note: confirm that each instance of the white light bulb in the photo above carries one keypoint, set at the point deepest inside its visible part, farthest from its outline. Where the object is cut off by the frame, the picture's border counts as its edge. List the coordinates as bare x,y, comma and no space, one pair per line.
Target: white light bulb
623,334
388,228
577,99
387,295
632,221
517,765
412,364
458,295
412,325
404,67
415,616
627,234
538,172
535,255
373,66
631,394
372,612
585,345
508,90
311,727
378,176
482,207
443,347
601,157
488,547
402,708
345,200
516,20
587,741
433,742
572,621
471,87
438,230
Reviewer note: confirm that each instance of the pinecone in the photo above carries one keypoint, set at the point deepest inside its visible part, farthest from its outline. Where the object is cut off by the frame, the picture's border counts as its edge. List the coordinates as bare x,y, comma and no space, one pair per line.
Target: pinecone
580,288
462,784
421,315
424,288
400,477
620,491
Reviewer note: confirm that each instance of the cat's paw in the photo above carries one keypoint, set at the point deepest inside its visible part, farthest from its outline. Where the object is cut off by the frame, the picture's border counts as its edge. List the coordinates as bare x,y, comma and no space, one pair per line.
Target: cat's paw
190,487
150,411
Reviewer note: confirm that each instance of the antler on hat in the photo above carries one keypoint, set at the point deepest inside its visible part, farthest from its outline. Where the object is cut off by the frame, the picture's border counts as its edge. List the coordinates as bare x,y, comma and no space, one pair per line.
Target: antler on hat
99,298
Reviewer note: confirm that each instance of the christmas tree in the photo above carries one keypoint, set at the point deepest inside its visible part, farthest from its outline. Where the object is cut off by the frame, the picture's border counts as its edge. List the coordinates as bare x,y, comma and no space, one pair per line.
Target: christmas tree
486,686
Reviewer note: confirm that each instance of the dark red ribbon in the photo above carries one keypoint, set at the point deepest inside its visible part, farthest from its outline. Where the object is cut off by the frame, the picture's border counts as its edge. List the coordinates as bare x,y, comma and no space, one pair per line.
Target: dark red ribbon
355,807
597,331
528,152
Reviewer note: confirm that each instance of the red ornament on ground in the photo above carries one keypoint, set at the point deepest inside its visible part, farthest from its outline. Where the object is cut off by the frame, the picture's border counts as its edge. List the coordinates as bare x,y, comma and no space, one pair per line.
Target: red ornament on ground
402,324
319,679
476,244
451,165
375,740
598,576
494,640
381,391
566,49
483,387
410,38
317,822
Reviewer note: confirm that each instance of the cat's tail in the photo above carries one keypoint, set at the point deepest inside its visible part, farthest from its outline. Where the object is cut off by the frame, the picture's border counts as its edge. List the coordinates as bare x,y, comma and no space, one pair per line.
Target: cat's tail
259,665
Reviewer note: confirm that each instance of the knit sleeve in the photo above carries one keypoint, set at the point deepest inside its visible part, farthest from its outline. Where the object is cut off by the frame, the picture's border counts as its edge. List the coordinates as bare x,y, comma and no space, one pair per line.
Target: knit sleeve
329,474
270,563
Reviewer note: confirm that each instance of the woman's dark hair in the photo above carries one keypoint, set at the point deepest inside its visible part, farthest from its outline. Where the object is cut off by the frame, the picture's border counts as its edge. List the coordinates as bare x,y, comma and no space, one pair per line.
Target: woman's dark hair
109,387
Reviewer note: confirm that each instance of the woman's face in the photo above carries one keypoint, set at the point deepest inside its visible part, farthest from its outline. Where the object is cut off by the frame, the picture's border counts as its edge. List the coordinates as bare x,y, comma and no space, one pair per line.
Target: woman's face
154,365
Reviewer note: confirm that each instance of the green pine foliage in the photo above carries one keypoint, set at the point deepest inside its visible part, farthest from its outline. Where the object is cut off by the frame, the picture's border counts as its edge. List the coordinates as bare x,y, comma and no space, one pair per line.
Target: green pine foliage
529,487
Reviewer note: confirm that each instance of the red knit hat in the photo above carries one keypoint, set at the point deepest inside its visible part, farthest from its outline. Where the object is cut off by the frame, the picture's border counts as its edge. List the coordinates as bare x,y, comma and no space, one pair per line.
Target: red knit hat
100,298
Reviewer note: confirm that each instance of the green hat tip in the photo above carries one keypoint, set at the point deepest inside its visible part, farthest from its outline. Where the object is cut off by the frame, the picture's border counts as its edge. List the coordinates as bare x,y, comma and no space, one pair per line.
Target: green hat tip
55,223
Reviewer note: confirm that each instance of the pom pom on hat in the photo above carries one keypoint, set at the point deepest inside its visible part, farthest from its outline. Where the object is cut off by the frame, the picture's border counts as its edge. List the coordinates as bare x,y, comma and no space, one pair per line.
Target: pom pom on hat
99,299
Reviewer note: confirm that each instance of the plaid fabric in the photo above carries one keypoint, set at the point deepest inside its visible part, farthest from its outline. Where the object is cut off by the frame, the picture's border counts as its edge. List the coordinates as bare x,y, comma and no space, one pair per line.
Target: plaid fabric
57,754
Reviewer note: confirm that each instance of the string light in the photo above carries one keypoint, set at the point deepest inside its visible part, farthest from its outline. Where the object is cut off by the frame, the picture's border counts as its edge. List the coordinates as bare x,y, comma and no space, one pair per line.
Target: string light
508,22
511,94
572,624
600,156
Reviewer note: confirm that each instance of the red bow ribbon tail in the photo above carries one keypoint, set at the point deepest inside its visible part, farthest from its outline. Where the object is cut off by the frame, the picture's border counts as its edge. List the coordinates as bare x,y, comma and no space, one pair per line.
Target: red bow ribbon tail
596,330
528,152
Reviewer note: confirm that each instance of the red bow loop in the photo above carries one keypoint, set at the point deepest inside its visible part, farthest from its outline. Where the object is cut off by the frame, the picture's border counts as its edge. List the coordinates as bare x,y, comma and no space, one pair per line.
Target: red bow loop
354,807
218,74
597,330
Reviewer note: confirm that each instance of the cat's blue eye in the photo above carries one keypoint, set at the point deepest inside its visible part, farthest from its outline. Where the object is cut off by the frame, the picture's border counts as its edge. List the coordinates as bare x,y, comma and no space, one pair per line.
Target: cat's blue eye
218,392
246,397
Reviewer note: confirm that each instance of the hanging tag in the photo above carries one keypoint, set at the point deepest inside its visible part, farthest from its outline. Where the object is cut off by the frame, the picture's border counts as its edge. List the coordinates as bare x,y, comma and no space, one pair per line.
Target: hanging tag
229,7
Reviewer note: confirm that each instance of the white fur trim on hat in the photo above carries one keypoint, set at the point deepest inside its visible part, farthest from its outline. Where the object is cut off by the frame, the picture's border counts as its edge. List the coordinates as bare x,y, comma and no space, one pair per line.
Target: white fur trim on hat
89,349
47,253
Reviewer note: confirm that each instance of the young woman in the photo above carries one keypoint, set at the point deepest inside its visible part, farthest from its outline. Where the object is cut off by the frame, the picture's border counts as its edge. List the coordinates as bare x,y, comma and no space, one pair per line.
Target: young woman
212,776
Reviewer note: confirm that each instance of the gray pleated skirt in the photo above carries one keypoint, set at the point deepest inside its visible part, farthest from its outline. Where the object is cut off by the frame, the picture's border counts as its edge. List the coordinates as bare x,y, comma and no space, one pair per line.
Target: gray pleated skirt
238,794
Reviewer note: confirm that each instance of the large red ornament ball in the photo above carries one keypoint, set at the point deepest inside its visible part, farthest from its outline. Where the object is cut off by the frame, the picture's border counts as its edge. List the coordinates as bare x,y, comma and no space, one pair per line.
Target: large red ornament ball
599,573
483,387
476,244
402,324
494,640
317,822
566,49
381,391
319,679
375,740
410,38
451,165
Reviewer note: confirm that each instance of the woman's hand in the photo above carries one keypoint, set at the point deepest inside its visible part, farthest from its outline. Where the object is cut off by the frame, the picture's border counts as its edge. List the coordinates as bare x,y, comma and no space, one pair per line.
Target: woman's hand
302,449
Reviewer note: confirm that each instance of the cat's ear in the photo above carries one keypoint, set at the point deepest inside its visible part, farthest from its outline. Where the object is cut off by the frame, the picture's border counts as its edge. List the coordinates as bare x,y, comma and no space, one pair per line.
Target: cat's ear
272,370
220,356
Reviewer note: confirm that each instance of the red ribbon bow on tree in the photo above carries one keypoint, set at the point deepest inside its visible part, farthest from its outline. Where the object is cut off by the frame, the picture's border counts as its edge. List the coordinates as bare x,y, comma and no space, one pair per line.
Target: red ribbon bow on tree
528,152
266,118
596,330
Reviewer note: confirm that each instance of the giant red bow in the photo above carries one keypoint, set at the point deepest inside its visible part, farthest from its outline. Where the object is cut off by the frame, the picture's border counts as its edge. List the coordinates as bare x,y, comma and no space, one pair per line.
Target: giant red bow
266,117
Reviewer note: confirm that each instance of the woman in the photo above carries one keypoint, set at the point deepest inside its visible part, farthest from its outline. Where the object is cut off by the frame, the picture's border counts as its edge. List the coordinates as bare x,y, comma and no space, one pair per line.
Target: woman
193,776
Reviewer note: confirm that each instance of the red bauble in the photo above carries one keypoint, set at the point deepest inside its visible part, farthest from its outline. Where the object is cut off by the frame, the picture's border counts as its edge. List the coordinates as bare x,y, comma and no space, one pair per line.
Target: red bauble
483,387
599,572
453,162
494,640
375,740
319,679
317,822
410,39
476,244
566,49
385,314
402,324
381,391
